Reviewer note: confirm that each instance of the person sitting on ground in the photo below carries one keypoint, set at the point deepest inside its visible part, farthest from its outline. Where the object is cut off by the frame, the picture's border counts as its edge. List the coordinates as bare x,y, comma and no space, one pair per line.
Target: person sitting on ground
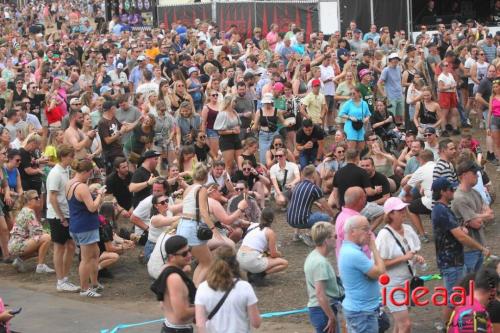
109,248
27,237
310,143
329,166
256,181
259,240
299,214
276,144
251,213
374,210
284,176
219,175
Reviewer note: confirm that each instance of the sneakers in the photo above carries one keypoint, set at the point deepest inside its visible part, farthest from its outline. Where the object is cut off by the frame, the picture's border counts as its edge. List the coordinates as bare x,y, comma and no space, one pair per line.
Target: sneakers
67,287
42,268
18,264
424,238
99,287
306,239
92,293
495,162
7,260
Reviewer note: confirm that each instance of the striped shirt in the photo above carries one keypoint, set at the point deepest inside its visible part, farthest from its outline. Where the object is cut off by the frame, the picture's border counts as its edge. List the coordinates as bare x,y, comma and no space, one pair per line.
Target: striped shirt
444,169
304,194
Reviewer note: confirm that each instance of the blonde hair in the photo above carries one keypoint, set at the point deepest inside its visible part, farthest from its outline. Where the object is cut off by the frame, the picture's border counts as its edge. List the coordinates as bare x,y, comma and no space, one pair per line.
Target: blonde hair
228,100
32,137
224,269
321,231
200,172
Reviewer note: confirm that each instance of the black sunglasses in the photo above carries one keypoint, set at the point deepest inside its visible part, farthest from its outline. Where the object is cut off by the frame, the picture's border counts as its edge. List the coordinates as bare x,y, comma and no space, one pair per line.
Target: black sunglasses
184,253
239,189
163,202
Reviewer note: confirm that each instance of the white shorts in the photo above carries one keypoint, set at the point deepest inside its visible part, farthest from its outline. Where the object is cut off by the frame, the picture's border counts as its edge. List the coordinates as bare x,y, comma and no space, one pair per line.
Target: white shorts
253,262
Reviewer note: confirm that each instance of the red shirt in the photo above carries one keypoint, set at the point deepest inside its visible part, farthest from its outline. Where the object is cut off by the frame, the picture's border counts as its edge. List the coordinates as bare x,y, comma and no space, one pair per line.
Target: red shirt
54,115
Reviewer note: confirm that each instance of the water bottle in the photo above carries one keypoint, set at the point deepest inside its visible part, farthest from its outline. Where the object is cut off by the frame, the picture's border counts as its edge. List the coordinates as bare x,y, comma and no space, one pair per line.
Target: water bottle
423,267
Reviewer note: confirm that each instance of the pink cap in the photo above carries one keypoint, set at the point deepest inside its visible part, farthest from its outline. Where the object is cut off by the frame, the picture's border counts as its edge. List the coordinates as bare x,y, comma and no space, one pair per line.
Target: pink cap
393,203
364,72
316,83
278,86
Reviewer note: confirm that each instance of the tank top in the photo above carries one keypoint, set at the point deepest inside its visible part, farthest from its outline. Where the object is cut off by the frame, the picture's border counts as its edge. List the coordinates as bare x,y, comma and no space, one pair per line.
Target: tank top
211,116
11,177
189,201
482,69
251,158
255,238
197,96
271,122
181,99
81,219
302,87
427,117
495,108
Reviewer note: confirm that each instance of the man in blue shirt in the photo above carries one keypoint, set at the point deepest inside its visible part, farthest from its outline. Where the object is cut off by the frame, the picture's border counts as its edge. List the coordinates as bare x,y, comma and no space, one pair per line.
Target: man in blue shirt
360,275
389,86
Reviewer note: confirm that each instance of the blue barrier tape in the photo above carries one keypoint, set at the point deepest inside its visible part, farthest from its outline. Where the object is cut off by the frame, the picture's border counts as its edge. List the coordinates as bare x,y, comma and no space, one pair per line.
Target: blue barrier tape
264,315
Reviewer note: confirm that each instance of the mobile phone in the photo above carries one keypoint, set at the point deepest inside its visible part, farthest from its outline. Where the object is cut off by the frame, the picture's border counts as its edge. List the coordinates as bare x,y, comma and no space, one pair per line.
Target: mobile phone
15,311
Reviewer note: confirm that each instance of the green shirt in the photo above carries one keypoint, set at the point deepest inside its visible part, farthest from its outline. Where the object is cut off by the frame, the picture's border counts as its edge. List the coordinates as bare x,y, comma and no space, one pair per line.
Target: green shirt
318,268
367,93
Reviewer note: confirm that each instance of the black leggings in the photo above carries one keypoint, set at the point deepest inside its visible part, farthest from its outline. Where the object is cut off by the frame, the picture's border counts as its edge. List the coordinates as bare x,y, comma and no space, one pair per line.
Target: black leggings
166,329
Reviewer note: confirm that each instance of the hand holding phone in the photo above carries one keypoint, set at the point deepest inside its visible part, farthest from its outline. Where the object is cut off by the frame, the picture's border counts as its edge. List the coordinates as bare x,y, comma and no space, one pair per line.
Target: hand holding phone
15,311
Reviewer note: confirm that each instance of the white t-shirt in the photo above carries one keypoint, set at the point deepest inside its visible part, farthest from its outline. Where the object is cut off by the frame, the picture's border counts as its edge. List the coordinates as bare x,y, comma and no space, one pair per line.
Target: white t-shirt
232,315
279,174
328,88
423,175
156,264
56,181
143,212
468,64
389,249
447,80
148,88
154,232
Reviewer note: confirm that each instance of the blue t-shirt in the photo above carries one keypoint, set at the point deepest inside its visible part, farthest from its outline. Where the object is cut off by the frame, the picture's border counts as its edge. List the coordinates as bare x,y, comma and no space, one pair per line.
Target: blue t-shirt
361,292
392,82
449,251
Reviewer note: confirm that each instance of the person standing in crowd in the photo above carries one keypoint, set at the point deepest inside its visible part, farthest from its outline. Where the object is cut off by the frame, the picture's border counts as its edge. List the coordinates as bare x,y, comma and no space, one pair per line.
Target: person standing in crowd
389,86
328,78
493,119
84,225
444,165
174,289
357,115
323,290
238,310
313,105
228,125
449,238
360,276
299,215
471,211
58,217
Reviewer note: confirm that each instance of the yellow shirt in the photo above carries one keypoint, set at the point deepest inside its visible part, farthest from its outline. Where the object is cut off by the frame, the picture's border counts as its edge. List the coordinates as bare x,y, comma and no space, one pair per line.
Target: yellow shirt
313,104
51,153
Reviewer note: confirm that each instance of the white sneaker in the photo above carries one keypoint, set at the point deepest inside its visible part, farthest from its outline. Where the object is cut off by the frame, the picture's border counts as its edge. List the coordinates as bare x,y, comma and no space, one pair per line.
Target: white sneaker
40,269
99,288
68,287
90,293
306,239
296,238
18,264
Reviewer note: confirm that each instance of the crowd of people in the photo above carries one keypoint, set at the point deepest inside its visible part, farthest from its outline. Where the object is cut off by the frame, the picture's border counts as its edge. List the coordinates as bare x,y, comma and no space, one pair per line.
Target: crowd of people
187,142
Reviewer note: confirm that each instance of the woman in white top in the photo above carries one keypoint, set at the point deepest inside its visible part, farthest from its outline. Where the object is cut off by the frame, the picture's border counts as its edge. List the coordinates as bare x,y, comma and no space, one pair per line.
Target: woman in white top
396,261
284,176
239,310
261,239
447,88
188,225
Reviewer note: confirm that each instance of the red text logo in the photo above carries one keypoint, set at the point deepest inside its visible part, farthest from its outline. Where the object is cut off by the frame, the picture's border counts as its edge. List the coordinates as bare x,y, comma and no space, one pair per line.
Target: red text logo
423,296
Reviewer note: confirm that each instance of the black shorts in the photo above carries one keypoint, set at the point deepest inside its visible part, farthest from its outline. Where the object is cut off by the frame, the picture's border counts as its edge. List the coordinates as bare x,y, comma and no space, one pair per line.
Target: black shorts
417,207
230,142
470,87
58,232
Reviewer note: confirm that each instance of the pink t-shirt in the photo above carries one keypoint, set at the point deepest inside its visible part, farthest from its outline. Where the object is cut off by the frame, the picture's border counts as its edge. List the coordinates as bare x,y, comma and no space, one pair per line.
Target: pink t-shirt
495,107
2,309
339,230
470,318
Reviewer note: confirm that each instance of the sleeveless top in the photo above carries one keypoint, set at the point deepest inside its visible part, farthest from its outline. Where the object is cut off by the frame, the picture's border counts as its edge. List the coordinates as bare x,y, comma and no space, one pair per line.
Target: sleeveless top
211,116
302,87
255,238
482,70
495,107
269,121
81,220
181,99
427,117
189,201
11,177
251,158
197,96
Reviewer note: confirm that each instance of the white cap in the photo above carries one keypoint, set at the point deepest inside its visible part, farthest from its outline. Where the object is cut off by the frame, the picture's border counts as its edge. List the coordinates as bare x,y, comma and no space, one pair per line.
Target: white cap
394,55
120,65
141,58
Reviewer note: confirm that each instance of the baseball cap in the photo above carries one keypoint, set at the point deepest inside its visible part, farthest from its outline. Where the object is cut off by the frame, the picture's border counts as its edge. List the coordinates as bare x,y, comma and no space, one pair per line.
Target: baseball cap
430,130
267,98
364,72
489,36
278,86
119,65
150,153
466,166
410,48
316,83
141,58
394,55
74,100
393,203
174,244
442,183
357,31
192,70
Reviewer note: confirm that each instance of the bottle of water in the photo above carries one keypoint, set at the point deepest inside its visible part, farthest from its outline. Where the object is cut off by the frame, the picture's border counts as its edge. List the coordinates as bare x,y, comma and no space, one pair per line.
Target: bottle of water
423,267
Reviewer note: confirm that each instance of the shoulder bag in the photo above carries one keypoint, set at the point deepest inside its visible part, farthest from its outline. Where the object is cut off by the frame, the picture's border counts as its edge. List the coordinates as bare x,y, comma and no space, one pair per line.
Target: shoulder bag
415,281
222,300
358,124
203,232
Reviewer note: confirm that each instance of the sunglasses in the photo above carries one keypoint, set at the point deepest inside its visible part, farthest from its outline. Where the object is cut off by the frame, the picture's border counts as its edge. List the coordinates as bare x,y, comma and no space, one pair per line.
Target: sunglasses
163,202
239,189
202,137
247,169
428,135
353,54
279,155
17,160
36,198
481,54
215,95
184,253
372,139
340,151
278,145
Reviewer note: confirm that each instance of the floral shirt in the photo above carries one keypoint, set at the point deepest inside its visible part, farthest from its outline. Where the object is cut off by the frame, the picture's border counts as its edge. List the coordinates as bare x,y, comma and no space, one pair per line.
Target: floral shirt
26,226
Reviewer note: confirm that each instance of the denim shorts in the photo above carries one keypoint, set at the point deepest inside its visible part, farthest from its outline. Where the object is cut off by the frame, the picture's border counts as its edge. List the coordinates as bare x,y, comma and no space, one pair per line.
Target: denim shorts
361,321
451,278
495,123
86,237
187,228
211,133
398,297
319,320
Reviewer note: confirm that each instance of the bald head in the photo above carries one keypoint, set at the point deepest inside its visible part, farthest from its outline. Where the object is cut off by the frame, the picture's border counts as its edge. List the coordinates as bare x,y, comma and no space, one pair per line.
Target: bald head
356,230
355,198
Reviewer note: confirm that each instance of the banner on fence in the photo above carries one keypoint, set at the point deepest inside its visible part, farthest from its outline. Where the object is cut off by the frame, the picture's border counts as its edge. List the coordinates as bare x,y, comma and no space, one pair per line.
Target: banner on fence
185,13
241,14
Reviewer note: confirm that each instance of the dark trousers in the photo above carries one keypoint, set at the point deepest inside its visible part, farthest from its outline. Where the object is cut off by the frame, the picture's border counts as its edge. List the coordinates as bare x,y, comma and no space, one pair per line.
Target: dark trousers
166,329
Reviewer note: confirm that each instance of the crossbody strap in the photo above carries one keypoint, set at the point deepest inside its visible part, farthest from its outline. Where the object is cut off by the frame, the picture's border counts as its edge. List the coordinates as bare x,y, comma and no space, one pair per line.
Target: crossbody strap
402,249
197,195
222,300
284,180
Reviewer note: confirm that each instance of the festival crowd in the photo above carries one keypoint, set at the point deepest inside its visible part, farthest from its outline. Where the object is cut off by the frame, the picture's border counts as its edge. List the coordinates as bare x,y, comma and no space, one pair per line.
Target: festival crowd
188,141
